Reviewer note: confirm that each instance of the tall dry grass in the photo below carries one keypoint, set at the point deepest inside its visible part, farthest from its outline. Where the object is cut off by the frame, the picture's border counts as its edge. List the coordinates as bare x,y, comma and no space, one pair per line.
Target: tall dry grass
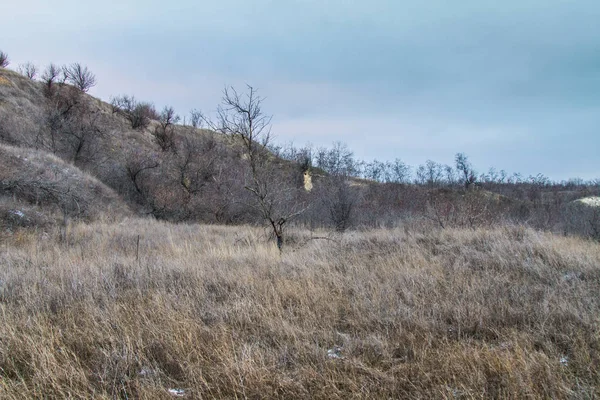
218,312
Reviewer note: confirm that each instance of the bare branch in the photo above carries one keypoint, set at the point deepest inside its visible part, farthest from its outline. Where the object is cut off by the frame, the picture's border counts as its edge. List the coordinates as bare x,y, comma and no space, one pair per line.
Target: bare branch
241,116
28,69
4,60
79,76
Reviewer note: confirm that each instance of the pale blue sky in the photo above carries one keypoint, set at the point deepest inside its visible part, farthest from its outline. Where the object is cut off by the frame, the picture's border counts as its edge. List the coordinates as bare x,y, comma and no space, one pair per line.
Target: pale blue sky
514,84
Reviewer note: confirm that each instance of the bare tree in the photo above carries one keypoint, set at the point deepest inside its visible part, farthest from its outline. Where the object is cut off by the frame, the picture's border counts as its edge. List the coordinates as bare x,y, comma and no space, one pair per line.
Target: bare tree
430,174
28,69
464,168
137,113
340,201
450,175
4,61
195,163
164,132
375,171
79,76
138,163
196,119
81,135
241,116
49,77
63,109
334,191
400,171
339,160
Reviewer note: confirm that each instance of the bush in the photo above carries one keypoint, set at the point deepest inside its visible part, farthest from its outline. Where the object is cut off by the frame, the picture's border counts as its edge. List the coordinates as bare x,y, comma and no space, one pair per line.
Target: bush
137,113
49,77
4,61
164,132
79,76
28,69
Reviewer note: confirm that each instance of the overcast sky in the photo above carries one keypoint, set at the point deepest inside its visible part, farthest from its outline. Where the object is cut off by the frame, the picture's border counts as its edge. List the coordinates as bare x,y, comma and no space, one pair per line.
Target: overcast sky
514,84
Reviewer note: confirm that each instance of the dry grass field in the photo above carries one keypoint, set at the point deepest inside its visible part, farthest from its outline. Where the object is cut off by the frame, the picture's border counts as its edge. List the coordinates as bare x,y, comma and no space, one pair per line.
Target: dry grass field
218,313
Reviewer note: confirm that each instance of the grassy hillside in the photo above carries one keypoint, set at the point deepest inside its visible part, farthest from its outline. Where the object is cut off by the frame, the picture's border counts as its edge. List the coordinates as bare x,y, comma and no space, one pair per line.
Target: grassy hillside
39,189
160,168
134,309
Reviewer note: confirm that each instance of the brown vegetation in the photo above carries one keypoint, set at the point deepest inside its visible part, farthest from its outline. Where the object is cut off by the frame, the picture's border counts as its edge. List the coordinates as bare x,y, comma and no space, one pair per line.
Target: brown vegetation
466,294
37,189
131,310
4,60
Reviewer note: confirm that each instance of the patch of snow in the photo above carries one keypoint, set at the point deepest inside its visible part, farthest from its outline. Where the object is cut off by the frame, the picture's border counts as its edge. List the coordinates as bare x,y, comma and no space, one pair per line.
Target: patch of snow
335,352
571,276
505,346
177,392
455,392
18,213
147,372
564,360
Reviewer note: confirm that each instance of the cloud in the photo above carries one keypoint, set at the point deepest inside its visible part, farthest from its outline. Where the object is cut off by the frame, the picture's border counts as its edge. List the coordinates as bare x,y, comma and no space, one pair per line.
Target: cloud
515,84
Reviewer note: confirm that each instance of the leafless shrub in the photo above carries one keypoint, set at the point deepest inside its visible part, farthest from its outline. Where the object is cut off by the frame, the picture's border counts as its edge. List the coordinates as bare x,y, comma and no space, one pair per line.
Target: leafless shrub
4,60
340,200
196,119
137,113
431,174
464,168
164,132
28,69
450,208
376,171
49,77
339,160
196,163
137,163
386,172
155,192
400,172
69,127
79,76
81,136
334,192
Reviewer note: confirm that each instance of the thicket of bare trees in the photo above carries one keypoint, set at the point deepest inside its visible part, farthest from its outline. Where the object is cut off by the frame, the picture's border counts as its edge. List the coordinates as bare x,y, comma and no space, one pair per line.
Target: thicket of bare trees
378,194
